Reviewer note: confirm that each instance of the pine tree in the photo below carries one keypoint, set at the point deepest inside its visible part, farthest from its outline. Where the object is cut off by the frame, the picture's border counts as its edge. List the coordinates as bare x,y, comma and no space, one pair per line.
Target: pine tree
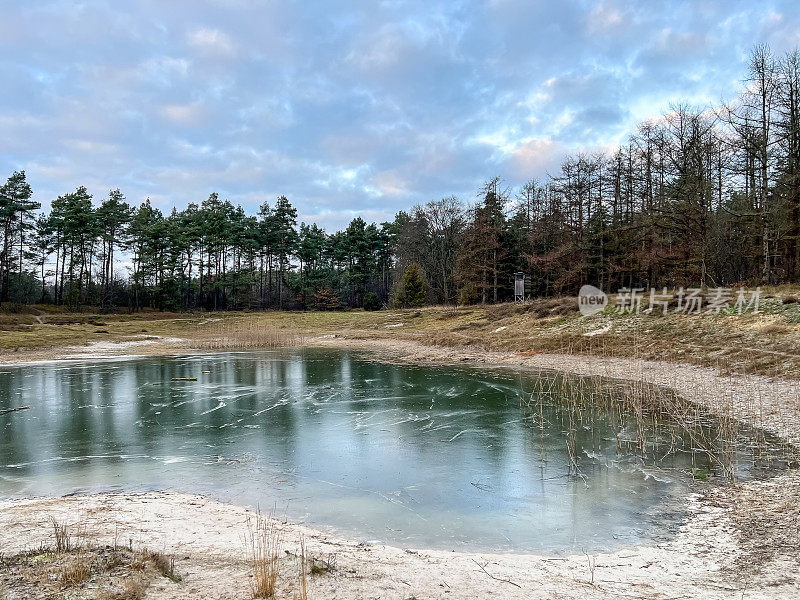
284,222
414,289
112,217
482,262
16,210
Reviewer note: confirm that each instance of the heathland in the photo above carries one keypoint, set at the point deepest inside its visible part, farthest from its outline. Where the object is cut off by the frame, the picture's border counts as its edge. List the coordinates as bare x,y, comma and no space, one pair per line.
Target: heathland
737,538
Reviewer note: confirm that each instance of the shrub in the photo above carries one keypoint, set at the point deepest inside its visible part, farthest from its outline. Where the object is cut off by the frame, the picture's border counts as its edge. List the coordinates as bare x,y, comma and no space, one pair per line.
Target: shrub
326,299
371,301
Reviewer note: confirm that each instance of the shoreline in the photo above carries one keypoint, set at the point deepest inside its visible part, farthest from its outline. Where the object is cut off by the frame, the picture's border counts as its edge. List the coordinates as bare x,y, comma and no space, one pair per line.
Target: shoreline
207,537
714,553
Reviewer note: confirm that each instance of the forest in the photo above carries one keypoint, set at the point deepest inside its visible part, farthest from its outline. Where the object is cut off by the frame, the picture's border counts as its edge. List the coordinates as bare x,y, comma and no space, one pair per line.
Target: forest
699,197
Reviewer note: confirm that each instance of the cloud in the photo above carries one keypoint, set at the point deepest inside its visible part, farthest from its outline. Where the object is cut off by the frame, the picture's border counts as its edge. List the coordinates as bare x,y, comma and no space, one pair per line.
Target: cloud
607,18
182,114
535,158
390,184
357,107
211,41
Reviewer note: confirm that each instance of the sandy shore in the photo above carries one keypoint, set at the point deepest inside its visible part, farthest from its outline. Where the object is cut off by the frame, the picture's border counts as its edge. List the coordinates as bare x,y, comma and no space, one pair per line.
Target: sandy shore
739,541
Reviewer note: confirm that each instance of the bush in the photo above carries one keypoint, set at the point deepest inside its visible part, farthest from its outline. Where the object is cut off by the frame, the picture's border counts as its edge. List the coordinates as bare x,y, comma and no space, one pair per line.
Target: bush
326,299
371,301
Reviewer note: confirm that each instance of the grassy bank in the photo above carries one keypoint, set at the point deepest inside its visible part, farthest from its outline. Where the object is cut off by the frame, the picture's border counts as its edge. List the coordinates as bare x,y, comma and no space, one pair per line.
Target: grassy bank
766,343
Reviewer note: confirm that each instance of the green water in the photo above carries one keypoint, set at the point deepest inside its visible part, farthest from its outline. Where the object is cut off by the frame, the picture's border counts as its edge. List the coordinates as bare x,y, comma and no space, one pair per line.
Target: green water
414,456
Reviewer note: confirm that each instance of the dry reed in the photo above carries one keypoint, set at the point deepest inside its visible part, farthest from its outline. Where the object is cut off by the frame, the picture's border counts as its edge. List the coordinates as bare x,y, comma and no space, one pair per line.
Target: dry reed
650,421
239,334
163,564
302,582
263,540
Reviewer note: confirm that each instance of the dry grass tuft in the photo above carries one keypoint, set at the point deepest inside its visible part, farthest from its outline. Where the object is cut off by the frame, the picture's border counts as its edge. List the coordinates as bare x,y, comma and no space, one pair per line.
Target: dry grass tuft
114,573
164,564
74,573
132,589
61,534
65,539
263,540
113,560
138,562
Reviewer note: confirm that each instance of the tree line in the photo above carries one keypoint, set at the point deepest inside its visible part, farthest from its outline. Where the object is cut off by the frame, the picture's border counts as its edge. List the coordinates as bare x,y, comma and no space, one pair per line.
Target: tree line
698,197
211,255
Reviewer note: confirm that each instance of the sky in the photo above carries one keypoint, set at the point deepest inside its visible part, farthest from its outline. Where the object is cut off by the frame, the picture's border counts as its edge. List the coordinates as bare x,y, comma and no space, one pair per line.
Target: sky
347,107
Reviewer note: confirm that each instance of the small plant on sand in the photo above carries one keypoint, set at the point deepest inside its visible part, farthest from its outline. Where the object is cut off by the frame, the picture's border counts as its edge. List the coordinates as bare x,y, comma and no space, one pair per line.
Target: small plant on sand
592,561
63,539
321,566
164,564
263,540
74,573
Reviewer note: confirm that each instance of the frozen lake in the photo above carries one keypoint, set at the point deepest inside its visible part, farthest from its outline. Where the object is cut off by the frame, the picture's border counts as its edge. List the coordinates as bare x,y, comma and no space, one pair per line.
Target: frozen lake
414,456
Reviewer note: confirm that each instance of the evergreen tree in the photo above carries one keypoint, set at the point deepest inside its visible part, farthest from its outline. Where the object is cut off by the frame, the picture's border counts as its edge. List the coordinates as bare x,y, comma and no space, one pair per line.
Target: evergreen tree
481,264
284,223
413,290
112,217
16,211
